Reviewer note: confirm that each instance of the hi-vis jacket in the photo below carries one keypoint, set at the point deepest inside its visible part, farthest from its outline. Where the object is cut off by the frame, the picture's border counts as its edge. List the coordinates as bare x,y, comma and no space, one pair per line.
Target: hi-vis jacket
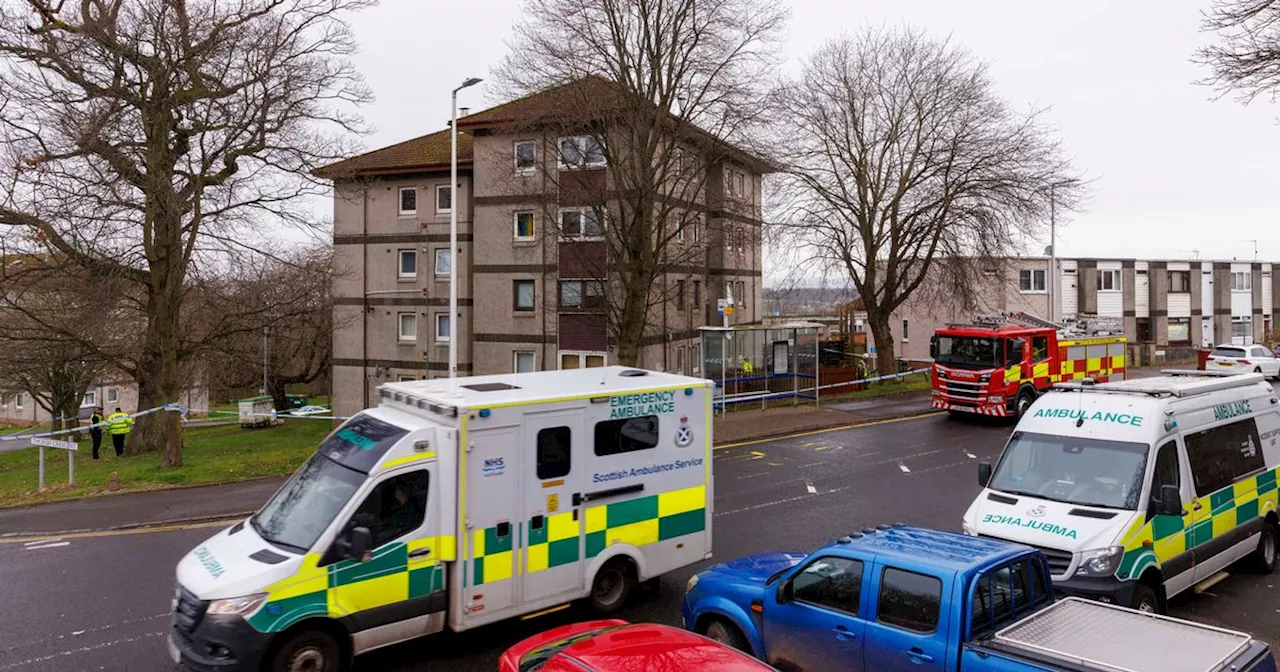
119,423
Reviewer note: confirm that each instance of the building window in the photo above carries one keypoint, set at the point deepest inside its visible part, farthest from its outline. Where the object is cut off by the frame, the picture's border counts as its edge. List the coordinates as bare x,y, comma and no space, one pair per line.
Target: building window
442,262
583,151
742,188
1179,281
1241,281
1242,330
577,360
408,201
526,157
444,199
1031,280
525,361
740,297
696,356
1179,330
442,327
408,263
405,379
18,400
523,294
1109,280
408,326
113,395
695,227
90,398
580,223
728,182
523,226
906,331
679,294
680,359
697,293
581,295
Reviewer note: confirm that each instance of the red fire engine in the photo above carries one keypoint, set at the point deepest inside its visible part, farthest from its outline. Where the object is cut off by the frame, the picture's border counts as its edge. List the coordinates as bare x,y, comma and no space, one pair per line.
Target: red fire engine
999,365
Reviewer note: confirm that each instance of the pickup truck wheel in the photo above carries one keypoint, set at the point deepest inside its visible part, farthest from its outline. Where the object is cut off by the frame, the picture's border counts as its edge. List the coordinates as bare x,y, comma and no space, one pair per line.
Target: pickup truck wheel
1263,560
611,587
1145,599
727,634
309,651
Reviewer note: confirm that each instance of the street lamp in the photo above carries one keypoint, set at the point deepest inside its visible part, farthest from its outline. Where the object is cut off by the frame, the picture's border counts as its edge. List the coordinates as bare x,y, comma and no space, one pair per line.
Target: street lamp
1053,247
453,232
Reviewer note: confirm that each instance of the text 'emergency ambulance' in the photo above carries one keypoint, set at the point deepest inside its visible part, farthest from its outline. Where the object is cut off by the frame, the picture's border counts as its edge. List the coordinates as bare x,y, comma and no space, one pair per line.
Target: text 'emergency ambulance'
639,405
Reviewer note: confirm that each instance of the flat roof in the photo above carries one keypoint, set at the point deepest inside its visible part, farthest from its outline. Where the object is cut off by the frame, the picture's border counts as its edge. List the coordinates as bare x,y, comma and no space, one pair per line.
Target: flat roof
511,388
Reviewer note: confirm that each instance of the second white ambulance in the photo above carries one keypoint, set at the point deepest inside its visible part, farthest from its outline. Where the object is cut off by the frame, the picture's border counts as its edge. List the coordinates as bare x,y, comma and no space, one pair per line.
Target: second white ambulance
454,505
1138,490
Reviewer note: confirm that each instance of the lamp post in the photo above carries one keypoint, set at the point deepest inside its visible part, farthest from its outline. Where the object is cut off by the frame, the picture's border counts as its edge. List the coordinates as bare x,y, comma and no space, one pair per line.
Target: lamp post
453,232
1053,248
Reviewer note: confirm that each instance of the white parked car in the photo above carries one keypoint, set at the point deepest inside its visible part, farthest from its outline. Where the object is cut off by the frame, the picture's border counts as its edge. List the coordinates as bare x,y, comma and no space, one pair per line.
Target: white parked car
321,410
1244,359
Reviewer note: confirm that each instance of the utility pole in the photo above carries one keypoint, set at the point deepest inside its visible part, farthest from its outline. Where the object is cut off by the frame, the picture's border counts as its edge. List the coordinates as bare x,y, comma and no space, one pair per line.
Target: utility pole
264,358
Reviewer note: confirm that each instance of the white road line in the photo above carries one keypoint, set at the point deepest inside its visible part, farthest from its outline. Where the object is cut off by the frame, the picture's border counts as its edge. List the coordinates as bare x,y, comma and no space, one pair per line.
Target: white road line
812,490
904,468
42,541
970,455
83,649
61,543
77,633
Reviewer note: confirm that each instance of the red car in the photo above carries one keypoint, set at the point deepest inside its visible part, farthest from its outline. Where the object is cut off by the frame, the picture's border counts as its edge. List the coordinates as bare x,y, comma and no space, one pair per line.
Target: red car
618,646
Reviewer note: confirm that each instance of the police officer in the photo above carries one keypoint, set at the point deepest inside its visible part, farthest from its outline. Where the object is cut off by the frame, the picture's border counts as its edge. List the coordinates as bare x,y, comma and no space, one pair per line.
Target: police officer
119,424
95,433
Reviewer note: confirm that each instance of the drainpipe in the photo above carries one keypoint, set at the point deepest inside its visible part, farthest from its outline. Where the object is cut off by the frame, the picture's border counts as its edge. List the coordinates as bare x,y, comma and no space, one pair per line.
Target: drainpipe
364,310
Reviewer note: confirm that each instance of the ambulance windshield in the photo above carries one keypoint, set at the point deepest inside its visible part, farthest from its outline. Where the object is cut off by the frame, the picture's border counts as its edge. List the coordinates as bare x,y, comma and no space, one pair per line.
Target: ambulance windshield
301,511
969,351
1076,470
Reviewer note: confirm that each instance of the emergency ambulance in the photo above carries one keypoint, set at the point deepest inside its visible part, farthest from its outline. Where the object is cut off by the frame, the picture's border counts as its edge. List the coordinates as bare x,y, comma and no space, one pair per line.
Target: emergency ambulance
454,505
1138,490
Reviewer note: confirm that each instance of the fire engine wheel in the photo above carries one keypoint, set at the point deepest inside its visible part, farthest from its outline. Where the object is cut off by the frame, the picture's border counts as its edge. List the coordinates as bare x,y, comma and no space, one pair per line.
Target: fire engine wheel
1024,401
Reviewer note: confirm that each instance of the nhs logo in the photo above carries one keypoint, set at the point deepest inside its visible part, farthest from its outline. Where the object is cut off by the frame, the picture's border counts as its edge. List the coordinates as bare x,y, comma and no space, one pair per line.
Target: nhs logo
494,467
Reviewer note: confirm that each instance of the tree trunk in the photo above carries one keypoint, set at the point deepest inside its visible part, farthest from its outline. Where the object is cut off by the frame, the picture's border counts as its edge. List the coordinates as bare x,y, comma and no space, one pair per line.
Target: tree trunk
883,335
630,326
161,430
276,388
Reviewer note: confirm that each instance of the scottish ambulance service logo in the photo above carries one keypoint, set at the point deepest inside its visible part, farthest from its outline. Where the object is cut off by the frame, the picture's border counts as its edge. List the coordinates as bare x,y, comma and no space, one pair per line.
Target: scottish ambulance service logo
1037,512
684,436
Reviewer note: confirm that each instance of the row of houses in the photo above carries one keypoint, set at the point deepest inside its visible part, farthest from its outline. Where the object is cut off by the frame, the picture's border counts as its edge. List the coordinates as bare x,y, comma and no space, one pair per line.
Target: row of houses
1164,303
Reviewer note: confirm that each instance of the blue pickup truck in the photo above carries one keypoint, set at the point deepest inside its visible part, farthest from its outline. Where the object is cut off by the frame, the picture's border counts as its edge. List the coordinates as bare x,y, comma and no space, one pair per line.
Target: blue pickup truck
893,599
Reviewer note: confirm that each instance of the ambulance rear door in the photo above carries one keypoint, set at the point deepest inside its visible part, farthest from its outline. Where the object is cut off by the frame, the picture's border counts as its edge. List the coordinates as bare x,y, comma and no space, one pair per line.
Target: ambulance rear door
551,470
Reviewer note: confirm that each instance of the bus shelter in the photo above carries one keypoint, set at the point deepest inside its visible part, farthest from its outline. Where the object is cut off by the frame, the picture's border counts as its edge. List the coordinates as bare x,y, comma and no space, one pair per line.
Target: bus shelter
756,363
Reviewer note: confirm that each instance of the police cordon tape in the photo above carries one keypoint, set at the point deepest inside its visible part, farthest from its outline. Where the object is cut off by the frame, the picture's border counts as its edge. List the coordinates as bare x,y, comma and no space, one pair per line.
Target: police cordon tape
174,408
803,390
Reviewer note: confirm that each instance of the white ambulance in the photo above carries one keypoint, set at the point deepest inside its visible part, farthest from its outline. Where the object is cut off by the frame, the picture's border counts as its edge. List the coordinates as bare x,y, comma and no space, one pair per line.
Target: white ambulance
1138,490
453,506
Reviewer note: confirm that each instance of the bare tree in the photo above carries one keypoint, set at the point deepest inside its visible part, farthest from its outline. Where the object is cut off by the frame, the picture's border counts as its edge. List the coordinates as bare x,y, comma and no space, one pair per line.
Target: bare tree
665,87
1247,61
146,135
899,153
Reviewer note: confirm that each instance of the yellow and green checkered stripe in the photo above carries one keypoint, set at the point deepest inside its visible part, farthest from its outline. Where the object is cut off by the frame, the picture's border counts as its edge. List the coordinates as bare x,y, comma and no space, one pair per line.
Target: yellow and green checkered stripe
346,587
1164,537
553,544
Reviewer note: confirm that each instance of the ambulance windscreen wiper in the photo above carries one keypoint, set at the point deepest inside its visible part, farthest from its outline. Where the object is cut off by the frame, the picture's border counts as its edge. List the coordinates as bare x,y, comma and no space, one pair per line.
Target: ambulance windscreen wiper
257,527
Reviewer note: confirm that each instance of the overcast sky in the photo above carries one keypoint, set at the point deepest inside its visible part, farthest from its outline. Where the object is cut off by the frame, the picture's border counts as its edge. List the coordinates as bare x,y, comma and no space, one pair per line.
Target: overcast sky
1174,171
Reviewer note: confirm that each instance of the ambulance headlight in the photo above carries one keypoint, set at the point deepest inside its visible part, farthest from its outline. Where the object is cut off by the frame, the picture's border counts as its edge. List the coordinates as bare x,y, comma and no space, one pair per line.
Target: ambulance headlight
1100,562
237,606
968,529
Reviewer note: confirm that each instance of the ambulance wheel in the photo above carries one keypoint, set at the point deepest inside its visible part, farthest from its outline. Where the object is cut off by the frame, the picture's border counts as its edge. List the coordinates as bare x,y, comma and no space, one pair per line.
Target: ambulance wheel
1024,401
1145,599
308,651
726,633
1263,560
612,586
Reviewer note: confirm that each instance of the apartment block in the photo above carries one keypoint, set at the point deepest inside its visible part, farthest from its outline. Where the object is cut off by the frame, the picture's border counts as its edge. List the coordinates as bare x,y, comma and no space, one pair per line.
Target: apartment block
1173,303
534,274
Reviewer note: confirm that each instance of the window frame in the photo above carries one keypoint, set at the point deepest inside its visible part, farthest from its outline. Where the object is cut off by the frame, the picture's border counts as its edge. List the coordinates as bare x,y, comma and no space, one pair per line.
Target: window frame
400,202
538,454
444,188
1035,357
435,261
90,398
1031,275
1185,277
582,223
401,336
1156,485
515,295
515,157
623,449
1183,321
113,395
1246,285
436,324
581,145
680,289
403,378
19,399
515,360
583,305
515,226
680,359
880,601
906,330
1117,280
400,259
862,579
1221,457
426,505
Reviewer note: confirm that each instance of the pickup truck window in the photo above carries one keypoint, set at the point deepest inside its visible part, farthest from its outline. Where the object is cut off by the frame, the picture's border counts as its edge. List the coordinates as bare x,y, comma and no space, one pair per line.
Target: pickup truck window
909,600
831,583
1008,593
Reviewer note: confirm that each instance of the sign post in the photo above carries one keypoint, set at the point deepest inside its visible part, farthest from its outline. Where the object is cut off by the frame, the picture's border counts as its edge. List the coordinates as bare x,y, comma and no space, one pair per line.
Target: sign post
69,446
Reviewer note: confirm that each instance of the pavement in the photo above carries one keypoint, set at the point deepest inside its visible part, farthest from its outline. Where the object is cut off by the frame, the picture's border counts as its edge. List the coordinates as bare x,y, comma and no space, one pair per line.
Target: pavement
163,507
100,601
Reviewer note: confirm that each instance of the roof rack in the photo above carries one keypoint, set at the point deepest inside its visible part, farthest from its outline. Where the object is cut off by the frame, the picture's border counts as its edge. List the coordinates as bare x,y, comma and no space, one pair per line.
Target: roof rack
1175,383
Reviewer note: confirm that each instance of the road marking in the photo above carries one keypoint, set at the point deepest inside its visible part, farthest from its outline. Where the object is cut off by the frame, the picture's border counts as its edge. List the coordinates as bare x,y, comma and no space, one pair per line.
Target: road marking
38,538
83,649
42,541
855,425
812,490
77,633
36,548
904,468
970,455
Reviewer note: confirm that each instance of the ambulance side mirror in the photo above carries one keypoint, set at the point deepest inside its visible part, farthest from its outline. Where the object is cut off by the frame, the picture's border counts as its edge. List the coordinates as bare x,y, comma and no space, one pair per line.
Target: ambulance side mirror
1170,501
358,543
984,473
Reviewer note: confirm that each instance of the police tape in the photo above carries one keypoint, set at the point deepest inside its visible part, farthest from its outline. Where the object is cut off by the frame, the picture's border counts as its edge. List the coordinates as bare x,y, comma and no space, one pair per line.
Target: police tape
175,408
816,389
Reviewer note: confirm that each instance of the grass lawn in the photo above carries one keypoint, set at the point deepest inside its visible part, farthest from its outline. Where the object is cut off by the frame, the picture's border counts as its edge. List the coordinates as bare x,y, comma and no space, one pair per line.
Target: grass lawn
210,455
896,386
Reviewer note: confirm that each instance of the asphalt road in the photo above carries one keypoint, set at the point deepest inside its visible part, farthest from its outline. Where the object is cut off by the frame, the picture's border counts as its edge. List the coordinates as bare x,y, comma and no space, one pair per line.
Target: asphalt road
100,603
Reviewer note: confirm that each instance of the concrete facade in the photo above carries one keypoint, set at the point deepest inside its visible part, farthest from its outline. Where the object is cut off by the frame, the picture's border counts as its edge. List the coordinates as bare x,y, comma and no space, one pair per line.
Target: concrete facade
512,193
1174,303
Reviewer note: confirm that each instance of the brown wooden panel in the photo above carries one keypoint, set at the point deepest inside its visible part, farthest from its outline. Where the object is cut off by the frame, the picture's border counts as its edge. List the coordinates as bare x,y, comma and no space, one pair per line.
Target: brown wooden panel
583,331
582,259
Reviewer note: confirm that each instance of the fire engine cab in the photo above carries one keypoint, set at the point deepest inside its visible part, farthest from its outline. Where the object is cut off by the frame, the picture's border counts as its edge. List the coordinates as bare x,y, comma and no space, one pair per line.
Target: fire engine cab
998,365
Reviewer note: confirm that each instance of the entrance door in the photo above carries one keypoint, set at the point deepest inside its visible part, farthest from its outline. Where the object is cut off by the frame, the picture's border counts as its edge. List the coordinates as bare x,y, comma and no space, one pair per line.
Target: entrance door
550,444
